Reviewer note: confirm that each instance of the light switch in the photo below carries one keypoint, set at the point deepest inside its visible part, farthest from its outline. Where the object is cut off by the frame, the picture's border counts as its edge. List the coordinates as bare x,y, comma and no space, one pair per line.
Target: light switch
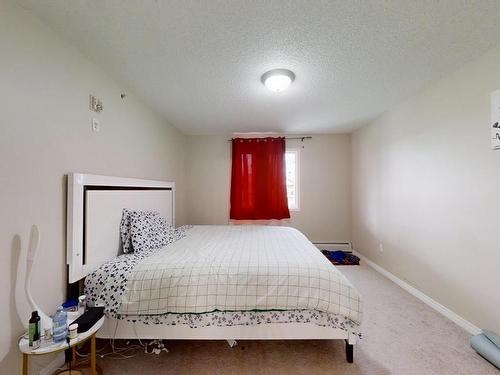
96,126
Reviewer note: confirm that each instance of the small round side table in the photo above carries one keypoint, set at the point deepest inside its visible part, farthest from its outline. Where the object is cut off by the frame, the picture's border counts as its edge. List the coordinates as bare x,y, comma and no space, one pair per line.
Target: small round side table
47,347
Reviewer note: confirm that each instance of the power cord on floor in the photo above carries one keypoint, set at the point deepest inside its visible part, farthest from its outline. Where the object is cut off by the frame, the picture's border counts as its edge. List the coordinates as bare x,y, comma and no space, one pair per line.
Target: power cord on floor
151,347
69,354
115,352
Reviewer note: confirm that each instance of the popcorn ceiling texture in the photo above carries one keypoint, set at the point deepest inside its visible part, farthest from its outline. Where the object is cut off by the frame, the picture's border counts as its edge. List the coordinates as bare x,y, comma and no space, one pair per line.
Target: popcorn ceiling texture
199,63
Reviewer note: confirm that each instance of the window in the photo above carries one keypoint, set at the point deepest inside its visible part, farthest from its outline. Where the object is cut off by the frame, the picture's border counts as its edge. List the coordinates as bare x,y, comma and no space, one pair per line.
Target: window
292,157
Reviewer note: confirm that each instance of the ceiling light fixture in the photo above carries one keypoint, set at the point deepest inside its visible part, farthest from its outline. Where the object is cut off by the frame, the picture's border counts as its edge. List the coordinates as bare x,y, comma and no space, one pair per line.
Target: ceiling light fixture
278,80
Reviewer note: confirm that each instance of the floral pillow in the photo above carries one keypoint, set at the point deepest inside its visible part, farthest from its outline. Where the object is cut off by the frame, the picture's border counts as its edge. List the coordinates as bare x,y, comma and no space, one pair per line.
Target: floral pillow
125,231
145,216
150,231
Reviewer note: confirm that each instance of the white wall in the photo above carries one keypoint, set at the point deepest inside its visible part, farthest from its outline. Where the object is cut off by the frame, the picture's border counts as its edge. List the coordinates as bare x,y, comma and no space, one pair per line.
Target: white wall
325,183
426,185
425,182
44,134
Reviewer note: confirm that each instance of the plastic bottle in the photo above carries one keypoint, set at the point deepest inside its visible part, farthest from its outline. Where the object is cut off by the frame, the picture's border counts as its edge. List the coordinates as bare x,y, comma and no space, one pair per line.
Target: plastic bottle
34,330
60,325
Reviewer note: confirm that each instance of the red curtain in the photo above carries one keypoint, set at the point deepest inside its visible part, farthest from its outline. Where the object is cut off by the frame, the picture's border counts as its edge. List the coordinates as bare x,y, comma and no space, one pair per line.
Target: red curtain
258,183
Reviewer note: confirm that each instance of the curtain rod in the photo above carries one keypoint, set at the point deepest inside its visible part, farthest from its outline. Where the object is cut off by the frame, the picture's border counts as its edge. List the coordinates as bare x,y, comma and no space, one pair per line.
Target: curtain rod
301,138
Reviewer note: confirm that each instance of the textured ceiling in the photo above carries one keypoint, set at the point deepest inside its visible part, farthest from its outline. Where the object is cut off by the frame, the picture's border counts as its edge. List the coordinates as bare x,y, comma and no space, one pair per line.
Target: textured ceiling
199,63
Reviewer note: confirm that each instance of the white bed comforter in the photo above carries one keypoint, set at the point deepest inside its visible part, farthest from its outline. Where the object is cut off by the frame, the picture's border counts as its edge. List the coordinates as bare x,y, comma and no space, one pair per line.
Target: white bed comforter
239,268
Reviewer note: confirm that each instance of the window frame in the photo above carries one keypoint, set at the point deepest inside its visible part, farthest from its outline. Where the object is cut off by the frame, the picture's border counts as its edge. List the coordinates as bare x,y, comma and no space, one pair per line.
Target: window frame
296,151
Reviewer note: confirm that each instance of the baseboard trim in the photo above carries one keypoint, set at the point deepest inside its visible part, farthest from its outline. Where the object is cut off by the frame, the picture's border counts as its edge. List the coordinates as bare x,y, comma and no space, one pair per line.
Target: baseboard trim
454,317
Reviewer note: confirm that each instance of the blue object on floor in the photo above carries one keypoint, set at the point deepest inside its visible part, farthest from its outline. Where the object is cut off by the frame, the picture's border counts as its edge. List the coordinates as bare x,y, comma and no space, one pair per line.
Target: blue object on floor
338,256
486,348
493,337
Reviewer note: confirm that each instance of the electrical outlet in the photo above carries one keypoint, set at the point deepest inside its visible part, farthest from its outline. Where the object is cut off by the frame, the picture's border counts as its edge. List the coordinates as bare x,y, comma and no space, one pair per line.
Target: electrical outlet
96,126
381,247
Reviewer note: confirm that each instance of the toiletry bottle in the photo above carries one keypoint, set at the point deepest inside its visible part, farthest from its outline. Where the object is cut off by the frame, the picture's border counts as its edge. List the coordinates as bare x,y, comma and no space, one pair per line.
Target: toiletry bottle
81,304
60,325
34,330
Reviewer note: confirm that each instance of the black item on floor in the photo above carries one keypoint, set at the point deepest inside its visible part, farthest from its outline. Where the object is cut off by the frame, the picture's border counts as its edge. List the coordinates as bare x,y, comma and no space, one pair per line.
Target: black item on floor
341,258
89,318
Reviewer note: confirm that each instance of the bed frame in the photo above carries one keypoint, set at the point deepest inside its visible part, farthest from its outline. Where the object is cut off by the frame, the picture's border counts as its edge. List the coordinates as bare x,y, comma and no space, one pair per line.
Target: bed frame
95,206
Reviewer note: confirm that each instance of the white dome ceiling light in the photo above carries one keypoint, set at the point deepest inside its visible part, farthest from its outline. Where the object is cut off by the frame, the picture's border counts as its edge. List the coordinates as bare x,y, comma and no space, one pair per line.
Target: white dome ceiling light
278,80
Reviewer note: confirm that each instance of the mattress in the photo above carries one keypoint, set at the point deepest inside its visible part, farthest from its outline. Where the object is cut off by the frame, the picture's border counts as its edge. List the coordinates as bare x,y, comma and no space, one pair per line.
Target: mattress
228,275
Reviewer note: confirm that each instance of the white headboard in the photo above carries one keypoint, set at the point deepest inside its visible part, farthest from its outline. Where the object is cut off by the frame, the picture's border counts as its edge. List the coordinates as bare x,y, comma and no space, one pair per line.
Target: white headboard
95,205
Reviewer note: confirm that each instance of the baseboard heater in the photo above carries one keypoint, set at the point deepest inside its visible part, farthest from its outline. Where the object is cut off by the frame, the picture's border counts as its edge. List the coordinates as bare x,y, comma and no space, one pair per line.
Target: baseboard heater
344,246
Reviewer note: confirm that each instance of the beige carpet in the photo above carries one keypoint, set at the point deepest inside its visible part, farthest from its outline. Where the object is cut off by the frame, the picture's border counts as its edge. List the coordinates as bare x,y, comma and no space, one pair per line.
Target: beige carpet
402,336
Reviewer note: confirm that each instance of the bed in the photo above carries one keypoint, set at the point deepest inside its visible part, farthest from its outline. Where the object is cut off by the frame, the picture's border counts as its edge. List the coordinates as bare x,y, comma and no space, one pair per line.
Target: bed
213,282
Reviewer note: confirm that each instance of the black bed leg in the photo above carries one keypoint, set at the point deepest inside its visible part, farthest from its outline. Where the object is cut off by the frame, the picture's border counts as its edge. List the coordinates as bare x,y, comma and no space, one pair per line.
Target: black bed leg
349,352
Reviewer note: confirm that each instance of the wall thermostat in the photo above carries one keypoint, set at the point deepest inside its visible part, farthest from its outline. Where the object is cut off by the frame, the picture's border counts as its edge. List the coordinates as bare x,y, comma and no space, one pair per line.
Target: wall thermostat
495,120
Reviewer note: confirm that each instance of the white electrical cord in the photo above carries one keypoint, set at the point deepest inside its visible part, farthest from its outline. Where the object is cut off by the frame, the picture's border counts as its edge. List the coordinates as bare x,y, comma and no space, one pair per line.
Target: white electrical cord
137,336
117,353
152,347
